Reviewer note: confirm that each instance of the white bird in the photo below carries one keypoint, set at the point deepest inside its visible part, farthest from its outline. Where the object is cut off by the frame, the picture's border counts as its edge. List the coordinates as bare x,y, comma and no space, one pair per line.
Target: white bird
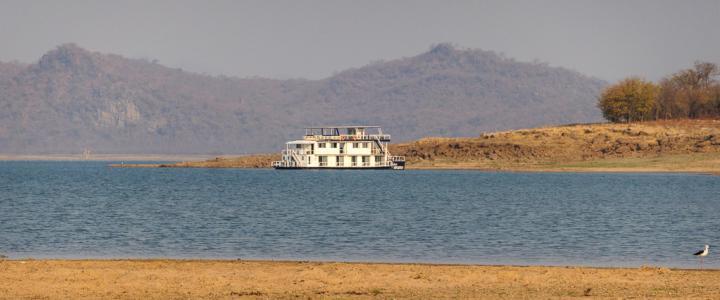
702,253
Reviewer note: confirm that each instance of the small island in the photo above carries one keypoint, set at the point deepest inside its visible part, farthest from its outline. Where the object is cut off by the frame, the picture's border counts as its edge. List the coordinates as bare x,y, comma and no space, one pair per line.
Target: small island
653,146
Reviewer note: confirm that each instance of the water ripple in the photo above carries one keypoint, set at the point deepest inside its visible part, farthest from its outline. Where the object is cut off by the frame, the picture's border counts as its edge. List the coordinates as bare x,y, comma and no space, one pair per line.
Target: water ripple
84,209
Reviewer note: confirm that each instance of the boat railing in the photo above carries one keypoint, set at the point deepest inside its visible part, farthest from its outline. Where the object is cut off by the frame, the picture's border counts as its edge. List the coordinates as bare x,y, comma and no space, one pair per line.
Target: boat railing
284,164
396,158
350,137
292,164
298,152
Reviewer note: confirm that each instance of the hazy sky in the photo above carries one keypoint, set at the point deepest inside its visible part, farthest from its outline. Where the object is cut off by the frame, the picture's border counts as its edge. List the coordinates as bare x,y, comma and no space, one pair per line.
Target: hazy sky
313,39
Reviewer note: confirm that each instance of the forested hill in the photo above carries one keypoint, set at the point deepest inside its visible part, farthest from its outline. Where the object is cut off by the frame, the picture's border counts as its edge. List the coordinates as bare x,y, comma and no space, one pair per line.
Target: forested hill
73,99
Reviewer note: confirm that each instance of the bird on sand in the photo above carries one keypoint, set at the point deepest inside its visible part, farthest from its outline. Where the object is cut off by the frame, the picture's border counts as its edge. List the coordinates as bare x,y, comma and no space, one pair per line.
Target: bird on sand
702,253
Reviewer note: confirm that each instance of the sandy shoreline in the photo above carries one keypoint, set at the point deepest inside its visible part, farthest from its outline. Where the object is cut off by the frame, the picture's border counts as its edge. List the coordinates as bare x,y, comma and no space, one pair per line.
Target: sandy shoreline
232,279
701,171
698,163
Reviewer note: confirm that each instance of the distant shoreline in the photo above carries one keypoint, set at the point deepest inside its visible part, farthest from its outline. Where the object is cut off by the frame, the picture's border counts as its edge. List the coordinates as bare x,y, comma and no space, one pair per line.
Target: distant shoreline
200,161
700,163
105,157
212,279
675,146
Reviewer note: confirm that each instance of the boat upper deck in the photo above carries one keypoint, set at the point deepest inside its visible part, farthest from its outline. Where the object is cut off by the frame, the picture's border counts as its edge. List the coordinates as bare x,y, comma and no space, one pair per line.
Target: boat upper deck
345,133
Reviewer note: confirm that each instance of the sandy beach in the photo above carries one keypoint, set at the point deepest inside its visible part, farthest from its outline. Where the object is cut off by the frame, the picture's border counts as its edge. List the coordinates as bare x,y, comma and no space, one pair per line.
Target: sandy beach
232,279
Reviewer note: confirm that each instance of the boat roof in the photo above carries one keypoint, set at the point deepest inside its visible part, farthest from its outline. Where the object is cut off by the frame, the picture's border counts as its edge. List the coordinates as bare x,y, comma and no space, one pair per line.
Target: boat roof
300,142
343,126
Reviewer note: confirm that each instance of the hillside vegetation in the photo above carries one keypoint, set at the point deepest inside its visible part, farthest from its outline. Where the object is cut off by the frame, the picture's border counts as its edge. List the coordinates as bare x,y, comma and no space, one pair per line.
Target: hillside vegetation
73,99
680,145
687,94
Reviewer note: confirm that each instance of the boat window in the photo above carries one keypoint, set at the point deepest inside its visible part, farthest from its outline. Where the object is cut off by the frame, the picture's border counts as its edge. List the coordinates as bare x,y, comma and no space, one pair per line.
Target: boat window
333,145
321,145
356,145
298,146
378,159
364,145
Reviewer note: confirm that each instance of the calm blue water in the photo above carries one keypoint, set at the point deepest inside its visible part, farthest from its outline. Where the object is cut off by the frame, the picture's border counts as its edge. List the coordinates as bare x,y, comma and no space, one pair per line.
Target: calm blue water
85,209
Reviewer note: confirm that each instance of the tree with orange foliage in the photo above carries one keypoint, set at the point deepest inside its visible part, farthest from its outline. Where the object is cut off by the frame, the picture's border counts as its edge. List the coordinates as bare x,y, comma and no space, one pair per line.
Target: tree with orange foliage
631,99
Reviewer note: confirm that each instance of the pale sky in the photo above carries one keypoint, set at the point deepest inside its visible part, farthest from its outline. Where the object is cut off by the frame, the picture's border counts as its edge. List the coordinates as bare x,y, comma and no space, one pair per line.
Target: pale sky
314,39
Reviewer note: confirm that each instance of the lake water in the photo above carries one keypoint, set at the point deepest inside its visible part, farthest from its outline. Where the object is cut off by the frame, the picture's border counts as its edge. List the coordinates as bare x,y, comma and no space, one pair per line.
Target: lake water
87,210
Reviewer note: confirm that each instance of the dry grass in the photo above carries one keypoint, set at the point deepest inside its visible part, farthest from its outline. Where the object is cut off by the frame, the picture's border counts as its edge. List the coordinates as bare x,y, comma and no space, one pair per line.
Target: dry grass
708,163
667,146
699,162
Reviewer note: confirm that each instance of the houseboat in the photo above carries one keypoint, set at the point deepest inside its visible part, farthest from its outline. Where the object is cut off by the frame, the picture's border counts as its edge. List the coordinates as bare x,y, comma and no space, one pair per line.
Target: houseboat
340,147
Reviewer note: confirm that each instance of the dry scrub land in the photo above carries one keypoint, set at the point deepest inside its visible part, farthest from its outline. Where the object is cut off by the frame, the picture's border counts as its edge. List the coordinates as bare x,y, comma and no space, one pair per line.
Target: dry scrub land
659,146
687,146
198,279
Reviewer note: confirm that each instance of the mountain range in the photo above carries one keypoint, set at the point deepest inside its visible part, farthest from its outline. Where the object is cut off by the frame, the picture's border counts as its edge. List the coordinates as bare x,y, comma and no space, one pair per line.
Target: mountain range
73,99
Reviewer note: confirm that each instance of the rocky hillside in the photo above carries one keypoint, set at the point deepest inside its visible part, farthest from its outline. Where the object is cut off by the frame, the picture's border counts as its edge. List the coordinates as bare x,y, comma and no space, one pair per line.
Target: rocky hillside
73,99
